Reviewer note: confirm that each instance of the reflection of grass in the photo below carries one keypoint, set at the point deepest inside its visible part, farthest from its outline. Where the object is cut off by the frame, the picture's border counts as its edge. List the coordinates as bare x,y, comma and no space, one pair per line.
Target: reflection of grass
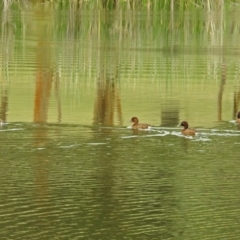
134,4
153,48
132,19
82,26
148,29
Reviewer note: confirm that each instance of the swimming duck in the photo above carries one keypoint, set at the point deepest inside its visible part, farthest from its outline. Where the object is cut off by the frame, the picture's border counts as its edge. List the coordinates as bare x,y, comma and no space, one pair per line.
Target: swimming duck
137,125
238,118
186,130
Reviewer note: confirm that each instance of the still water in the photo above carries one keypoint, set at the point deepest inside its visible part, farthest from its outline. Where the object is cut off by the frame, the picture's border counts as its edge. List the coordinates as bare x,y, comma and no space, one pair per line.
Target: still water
71,168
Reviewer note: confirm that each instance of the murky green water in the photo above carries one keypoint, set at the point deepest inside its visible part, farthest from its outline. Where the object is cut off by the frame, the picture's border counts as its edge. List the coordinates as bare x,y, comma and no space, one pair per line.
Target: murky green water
71,168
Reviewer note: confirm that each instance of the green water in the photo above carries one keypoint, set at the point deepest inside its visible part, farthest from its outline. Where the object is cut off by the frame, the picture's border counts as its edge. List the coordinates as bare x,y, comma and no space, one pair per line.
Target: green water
72,78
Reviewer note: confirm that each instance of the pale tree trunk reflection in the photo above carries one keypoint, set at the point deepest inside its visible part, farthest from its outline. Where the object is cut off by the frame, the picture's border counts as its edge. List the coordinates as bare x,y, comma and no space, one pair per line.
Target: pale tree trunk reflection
6,47
220,92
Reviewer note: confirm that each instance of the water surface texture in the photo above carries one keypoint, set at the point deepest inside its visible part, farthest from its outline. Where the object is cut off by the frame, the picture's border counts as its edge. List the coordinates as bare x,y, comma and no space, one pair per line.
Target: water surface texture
73,74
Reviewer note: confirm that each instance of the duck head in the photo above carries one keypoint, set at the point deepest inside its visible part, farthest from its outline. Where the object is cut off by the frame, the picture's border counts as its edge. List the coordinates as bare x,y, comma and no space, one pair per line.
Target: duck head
134,120
184,124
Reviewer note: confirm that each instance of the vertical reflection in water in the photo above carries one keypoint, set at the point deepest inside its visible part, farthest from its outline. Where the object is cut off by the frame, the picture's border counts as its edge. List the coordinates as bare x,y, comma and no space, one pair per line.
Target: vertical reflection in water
106,102
43,82
109,4
221,89
6,47
217,22
6,4
170,114
57,94
4,104
108,97
45,75
104,195
42,95
40,138
41,178
236,100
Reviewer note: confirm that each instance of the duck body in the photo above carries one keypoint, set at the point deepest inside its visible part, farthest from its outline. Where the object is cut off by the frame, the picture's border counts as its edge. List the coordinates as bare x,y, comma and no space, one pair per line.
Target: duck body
137,125
186,130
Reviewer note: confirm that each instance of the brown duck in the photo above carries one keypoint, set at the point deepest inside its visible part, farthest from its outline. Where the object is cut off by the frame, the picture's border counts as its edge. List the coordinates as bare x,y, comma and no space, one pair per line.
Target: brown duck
137,125
186,130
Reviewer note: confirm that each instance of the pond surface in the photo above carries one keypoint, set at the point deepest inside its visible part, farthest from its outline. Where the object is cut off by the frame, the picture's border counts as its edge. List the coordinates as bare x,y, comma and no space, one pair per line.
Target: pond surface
72,168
